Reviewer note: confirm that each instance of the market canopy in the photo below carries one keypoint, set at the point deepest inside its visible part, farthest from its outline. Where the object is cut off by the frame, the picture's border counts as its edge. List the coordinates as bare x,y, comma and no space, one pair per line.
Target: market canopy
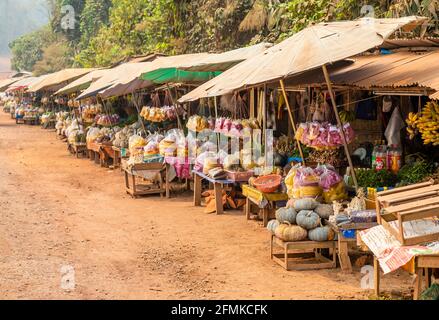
311,48
5,83
130,75
56,80
396,70
24,84
226,60
83,82
120,75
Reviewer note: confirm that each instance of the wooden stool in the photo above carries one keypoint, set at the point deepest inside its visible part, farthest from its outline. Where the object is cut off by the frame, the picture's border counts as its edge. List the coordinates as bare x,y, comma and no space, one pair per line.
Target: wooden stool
303,249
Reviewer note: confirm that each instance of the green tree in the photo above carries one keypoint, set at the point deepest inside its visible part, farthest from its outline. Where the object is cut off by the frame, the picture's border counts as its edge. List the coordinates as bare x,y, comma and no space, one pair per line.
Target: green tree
57,56
28,49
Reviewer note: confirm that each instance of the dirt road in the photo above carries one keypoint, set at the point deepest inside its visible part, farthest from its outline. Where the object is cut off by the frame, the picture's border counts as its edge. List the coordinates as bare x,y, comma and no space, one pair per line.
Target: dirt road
59,212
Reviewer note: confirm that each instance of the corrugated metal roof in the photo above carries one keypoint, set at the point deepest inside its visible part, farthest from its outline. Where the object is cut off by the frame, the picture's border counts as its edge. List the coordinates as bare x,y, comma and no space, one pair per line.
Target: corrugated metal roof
56,80
311,48
401,69
226,60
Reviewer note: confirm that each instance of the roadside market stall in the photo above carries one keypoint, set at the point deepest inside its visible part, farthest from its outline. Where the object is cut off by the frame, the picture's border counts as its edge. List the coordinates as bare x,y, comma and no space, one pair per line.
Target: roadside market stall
330,44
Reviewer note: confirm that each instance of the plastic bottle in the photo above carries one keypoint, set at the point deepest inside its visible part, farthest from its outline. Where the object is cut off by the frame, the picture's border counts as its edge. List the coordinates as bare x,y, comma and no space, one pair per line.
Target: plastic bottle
396,159
374,155
381,159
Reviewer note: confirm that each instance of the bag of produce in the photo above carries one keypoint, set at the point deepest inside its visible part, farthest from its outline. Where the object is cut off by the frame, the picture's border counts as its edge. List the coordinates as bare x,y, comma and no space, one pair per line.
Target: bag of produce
335,193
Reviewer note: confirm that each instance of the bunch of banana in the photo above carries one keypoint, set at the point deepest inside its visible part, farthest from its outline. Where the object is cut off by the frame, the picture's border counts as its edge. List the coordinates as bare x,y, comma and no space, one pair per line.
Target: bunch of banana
412,122
346,116
426,123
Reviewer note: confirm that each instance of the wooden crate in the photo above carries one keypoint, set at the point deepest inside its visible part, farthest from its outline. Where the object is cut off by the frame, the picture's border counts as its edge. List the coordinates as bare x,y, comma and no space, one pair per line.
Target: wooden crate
303,255
406,204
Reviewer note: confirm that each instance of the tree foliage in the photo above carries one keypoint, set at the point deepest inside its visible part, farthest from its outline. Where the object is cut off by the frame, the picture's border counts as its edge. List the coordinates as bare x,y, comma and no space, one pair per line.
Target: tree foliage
109,30
28,49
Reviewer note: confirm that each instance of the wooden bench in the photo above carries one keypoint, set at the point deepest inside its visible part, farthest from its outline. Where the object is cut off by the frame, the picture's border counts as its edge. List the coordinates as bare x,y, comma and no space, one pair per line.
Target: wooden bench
302,251
136,189
218,188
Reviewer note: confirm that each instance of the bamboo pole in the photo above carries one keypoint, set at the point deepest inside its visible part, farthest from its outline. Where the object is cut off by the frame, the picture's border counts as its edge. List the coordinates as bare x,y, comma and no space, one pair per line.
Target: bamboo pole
340,124
293,123
138,113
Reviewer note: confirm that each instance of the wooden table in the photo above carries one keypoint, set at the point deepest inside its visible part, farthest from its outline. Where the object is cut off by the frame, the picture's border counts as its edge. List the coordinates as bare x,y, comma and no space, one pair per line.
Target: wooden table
117,157
264,201
344,243
78,148
106,153
136,189
218,188
94,150
421,266
303,249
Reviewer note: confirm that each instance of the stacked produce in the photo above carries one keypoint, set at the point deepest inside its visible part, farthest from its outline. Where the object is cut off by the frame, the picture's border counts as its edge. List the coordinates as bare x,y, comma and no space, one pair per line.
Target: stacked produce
320,183
136,144
303,219
285,145
90,112
47,117
426,123
234,128
199,123
323,136
156,114
121,138
107,120
335,158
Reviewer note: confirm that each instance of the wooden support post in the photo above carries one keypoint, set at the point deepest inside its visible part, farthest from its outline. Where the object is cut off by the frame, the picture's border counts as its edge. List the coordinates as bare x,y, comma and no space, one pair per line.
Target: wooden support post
376,271
218,188
293,122
197,190
340,124
247,208
418,284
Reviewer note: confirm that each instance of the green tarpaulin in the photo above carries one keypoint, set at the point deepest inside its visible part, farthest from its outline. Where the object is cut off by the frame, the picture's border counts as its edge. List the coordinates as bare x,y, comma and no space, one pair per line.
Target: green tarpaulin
166,75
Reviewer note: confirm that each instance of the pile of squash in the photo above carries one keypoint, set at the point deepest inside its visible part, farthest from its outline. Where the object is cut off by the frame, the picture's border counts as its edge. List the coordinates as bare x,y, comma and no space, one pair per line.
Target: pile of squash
303,219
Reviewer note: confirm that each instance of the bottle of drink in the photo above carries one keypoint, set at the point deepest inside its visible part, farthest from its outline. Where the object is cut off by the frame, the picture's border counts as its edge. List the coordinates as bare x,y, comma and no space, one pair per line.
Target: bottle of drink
374,155
396,160
381,159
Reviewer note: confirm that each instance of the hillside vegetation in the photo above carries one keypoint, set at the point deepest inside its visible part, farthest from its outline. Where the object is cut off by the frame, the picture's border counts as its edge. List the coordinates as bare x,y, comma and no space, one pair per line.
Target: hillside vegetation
106,31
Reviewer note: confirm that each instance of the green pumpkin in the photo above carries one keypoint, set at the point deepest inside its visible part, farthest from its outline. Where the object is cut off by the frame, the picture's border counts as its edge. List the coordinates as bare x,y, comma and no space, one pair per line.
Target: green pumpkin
308,219
324,210
305,204
286,215
272,225
321,234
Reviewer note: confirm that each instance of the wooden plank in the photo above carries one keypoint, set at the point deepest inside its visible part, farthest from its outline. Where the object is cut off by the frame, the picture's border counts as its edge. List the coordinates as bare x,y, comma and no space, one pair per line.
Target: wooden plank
407,188
421,213
412,205
409,198
430,261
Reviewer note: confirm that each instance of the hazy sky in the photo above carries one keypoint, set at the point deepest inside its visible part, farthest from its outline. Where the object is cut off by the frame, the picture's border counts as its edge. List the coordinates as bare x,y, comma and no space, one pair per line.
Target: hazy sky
18,17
